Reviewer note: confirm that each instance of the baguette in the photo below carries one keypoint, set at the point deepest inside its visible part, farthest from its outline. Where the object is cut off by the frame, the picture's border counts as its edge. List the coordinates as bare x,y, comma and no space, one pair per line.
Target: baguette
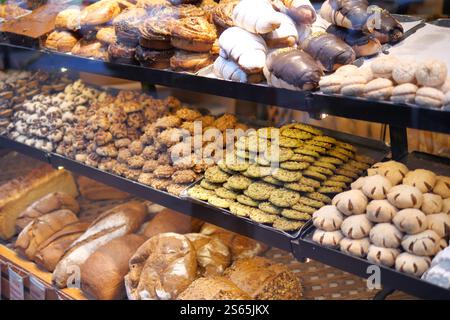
42,228
114,223
102,274
50,251
49,203
18,194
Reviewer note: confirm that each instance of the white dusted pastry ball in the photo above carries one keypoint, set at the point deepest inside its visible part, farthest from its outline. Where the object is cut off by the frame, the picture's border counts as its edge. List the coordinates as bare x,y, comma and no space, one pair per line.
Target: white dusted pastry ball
376,187
380,211
328,218
411,221
382,256
356,227
405,196
350,202
386,235
412,264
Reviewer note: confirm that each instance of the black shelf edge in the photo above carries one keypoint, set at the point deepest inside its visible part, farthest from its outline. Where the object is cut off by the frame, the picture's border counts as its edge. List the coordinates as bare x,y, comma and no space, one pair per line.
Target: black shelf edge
389,278
313,102
185,206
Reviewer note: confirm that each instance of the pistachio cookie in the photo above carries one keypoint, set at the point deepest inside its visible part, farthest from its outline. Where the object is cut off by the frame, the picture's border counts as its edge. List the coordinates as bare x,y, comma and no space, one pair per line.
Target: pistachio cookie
314,175
321,170
256,171
287,225
269,208
273,181
304,208
276,154
246,200
311,202
295,215
239,182
208,185
286,175
319,197
296,134
310,182
299,187
226,194
197,192
289,142
219,202
294,165
261,217
284,198
239,209
215,175
302,158
259,191
308,129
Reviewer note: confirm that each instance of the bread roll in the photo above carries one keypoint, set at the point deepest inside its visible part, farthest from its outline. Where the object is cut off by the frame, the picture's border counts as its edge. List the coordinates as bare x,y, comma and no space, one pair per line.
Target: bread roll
49,203
162,268
41,229
264,279
93,190
213,256
171,221
18,194
50,251
240,246
116,222
214,288
103,272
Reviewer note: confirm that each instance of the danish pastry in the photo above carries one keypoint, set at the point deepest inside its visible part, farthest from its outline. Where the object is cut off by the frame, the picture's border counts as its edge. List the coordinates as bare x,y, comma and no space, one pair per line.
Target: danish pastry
412,264
411,221
376,187
422,179
439,223
386,235
328,238
382,256
405,196
425,243
359,247
380,211
356,227
351,202
328,218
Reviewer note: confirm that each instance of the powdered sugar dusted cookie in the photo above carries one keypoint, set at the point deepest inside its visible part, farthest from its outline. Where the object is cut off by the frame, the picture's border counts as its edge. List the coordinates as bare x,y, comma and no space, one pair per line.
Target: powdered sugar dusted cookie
380,211
432,203
356,227
412,264
328,218
386,235
376,187
351,202
425,243
358,247
422,179
382,256
405,196
411,221
439,223
442,186
328,238
393,170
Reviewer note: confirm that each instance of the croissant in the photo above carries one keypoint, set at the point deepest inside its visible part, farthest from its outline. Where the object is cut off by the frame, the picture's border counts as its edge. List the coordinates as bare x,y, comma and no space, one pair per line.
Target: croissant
248,50
256,16
293,69
301,11
350,14
284,36
330,51
363,44
383,25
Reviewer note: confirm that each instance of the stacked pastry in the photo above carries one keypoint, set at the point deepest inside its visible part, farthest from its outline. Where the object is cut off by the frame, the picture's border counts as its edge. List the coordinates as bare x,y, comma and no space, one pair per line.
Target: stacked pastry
199,266
362,26
280,176
423,83
18,86
43,120
394,217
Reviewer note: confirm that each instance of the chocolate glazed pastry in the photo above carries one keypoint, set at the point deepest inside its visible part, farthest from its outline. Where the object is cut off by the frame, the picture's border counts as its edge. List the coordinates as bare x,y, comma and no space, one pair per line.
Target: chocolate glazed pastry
120,53
390,30
330,51
155,33
301,11
127,25
350,14
193,34
154,58
292,69
190,61
363,44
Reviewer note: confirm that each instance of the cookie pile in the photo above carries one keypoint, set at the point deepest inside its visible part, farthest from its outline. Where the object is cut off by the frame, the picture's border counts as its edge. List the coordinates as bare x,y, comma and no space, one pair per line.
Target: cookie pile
280,176
18,86
389,78
393,217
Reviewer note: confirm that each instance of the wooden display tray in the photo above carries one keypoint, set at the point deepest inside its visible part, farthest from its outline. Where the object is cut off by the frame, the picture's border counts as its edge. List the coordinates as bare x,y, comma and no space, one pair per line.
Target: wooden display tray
28,270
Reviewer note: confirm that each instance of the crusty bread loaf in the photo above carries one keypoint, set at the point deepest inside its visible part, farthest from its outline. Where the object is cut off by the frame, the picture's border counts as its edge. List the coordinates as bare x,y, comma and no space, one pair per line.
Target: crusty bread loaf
103,272
264,279
162,268
40,229
18,194
213,256
171,221
213,288
240,246
120,220
93,190
49,203
50,251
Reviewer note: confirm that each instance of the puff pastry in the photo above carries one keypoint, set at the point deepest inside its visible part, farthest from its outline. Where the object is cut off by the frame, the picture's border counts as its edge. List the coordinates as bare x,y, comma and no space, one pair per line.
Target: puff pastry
106,35
256,16
228,70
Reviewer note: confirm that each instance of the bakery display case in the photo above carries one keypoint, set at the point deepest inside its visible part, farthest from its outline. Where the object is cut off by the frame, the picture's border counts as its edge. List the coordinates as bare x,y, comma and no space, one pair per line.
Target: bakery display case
163,105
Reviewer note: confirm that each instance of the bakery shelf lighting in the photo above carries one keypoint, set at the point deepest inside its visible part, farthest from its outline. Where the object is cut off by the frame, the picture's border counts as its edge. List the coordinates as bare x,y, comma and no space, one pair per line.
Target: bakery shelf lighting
60,168
64,69
323,116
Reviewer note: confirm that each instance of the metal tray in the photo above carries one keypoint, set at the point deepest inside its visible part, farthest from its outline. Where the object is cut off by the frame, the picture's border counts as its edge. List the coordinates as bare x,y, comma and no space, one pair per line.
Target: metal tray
375,149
